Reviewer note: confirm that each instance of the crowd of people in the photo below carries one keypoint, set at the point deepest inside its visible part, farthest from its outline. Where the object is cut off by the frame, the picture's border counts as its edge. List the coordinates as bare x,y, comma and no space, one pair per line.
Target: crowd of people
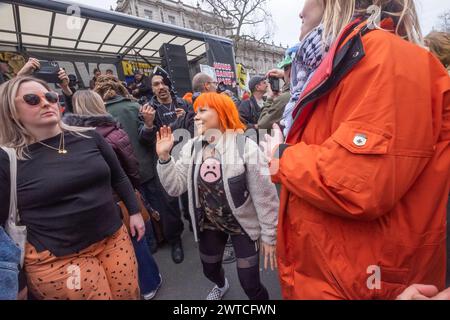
349,170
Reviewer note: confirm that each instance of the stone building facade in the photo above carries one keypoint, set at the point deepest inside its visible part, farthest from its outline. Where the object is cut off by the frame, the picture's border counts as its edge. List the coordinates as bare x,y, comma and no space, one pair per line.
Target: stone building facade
257,58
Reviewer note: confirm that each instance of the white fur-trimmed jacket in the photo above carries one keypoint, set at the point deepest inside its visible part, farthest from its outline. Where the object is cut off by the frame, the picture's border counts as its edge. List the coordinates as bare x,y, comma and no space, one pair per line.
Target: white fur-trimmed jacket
250,192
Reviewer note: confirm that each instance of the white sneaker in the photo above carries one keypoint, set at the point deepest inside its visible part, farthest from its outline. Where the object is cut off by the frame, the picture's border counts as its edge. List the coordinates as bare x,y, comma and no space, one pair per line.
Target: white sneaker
152,294
217,293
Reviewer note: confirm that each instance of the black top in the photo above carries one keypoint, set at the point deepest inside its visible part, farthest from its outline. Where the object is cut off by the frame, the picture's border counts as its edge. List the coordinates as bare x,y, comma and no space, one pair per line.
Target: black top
166,113
66,200
215,213
249,112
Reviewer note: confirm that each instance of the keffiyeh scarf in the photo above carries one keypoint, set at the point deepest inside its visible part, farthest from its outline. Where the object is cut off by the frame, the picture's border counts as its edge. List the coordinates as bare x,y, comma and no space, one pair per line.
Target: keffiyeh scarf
310,54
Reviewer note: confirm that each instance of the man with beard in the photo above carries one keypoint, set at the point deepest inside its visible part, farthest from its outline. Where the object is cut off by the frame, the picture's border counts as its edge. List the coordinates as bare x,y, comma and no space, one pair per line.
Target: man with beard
201,83
162,110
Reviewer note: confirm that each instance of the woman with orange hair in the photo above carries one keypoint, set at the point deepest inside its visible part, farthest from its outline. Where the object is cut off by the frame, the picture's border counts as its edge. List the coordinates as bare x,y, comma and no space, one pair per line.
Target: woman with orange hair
230,193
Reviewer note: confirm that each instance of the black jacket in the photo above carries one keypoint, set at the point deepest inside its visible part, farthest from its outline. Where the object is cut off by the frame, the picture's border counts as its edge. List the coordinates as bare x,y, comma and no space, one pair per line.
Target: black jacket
165,117
249,111
185,122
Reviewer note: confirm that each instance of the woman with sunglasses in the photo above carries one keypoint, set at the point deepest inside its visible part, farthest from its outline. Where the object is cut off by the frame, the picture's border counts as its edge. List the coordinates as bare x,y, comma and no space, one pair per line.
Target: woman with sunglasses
89,111
77,246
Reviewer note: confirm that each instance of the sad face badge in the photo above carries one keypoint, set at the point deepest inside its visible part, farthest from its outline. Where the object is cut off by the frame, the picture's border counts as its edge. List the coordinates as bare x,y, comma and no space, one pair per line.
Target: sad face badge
210,170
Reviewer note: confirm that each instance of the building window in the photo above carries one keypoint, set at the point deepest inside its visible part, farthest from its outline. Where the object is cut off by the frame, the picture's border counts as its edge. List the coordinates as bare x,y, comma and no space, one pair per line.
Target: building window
171,19
192,24
148,14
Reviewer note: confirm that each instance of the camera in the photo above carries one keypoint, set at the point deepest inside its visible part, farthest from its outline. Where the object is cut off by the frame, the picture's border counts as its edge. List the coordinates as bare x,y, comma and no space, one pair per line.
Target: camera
274,84
48,71
221,87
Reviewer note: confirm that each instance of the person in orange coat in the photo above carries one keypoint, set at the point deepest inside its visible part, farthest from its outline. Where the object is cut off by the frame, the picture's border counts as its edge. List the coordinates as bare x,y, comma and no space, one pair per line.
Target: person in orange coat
365,170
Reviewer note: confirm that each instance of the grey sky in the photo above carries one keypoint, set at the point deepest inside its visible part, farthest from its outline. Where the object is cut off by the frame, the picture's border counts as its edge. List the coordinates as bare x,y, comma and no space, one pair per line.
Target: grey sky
285,14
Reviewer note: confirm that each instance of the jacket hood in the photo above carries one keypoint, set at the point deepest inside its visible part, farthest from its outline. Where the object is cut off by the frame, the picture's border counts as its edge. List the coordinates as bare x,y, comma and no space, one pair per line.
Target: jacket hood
116,99
89,120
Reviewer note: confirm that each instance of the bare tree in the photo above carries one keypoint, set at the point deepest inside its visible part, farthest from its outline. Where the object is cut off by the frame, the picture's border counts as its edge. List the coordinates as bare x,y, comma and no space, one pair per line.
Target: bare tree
444,22
244,19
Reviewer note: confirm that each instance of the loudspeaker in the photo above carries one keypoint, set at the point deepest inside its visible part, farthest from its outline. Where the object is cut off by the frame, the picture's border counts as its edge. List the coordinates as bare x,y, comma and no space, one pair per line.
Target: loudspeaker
174,61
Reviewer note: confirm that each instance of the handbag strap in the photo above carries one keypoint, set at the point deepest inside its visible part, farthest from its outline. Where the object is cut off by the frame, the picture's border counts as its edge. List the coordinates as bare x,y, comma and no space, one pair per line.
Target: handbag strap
13,211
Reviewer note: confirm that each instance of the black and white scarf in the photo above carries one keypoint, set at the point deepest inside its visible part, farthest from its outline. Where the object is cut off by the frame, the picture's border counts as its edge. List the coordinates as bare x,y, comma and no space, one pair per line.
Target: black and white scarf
309,55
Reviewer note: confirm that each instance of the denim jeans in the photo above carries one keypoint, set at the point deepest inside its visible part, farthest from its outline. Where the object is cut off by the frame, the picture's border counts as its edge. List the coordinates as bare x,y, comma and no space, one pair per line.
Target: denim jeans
147,268
9,272
149,234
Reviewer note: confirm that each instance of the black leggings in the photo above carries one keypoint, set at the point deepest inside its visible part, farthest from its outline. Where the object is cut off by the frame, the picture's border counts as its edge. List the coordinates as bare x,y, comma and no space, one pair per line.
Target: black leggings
212,245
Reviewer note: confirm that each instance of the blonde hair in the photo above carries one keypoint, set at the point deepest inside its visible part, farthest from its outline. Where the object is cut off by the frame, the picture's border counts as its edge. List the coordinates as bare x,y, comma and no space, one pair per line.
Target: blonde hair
339,13
13,133
88,102
108,86
439,44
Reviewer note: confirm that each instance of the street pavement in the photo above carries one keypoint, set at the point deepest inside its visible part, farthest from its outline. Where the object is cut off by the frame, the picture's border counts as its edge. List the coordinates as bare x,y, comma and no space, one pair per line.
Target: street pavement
186,281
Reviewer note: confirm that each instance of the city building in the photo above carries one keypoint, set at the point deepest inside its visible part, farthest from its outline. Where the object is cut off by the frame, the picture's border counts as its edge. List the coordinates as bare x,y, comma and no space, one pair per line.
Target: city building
256,57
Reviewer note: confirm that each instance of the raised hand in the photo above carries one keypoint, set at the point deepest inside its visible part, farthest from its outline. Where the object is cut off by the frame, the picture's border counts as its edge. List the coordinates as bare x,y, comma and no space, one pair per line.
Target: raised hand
277,73
149,114
64,78
164,143
29,67
180,112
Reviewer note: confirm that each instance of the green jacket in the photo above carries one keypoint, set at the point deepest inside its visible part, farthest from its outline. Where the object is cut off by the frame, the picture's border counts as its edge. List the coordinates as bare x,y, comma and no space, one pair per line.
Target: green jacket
273,109
126,112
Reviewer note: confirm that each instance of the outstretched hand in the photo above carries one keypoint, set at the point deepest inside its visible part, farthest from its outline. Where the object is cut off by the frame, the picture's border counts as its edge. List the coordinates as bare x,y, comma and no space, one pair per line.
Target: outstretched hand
272,142
424,292
148,113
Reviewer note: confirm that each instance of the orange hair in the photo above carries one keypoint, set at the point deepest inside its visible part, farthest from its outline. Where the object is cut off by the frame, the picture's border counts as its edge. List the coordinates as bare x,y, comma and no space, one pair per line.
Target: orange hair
188,97
225,108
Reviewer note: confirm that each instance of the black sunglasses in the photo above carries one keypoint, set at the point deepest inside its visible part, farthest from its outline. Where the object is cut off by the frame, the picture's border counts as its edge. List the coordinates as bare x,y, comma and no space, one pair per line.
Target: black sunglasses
34,99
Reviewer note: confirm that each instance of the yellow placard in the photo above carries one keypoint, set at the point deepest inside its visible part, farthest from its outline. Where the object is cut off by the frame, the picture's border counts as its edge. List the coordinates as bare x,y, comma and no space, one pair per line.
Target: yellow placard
15,62
130,66
241,76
